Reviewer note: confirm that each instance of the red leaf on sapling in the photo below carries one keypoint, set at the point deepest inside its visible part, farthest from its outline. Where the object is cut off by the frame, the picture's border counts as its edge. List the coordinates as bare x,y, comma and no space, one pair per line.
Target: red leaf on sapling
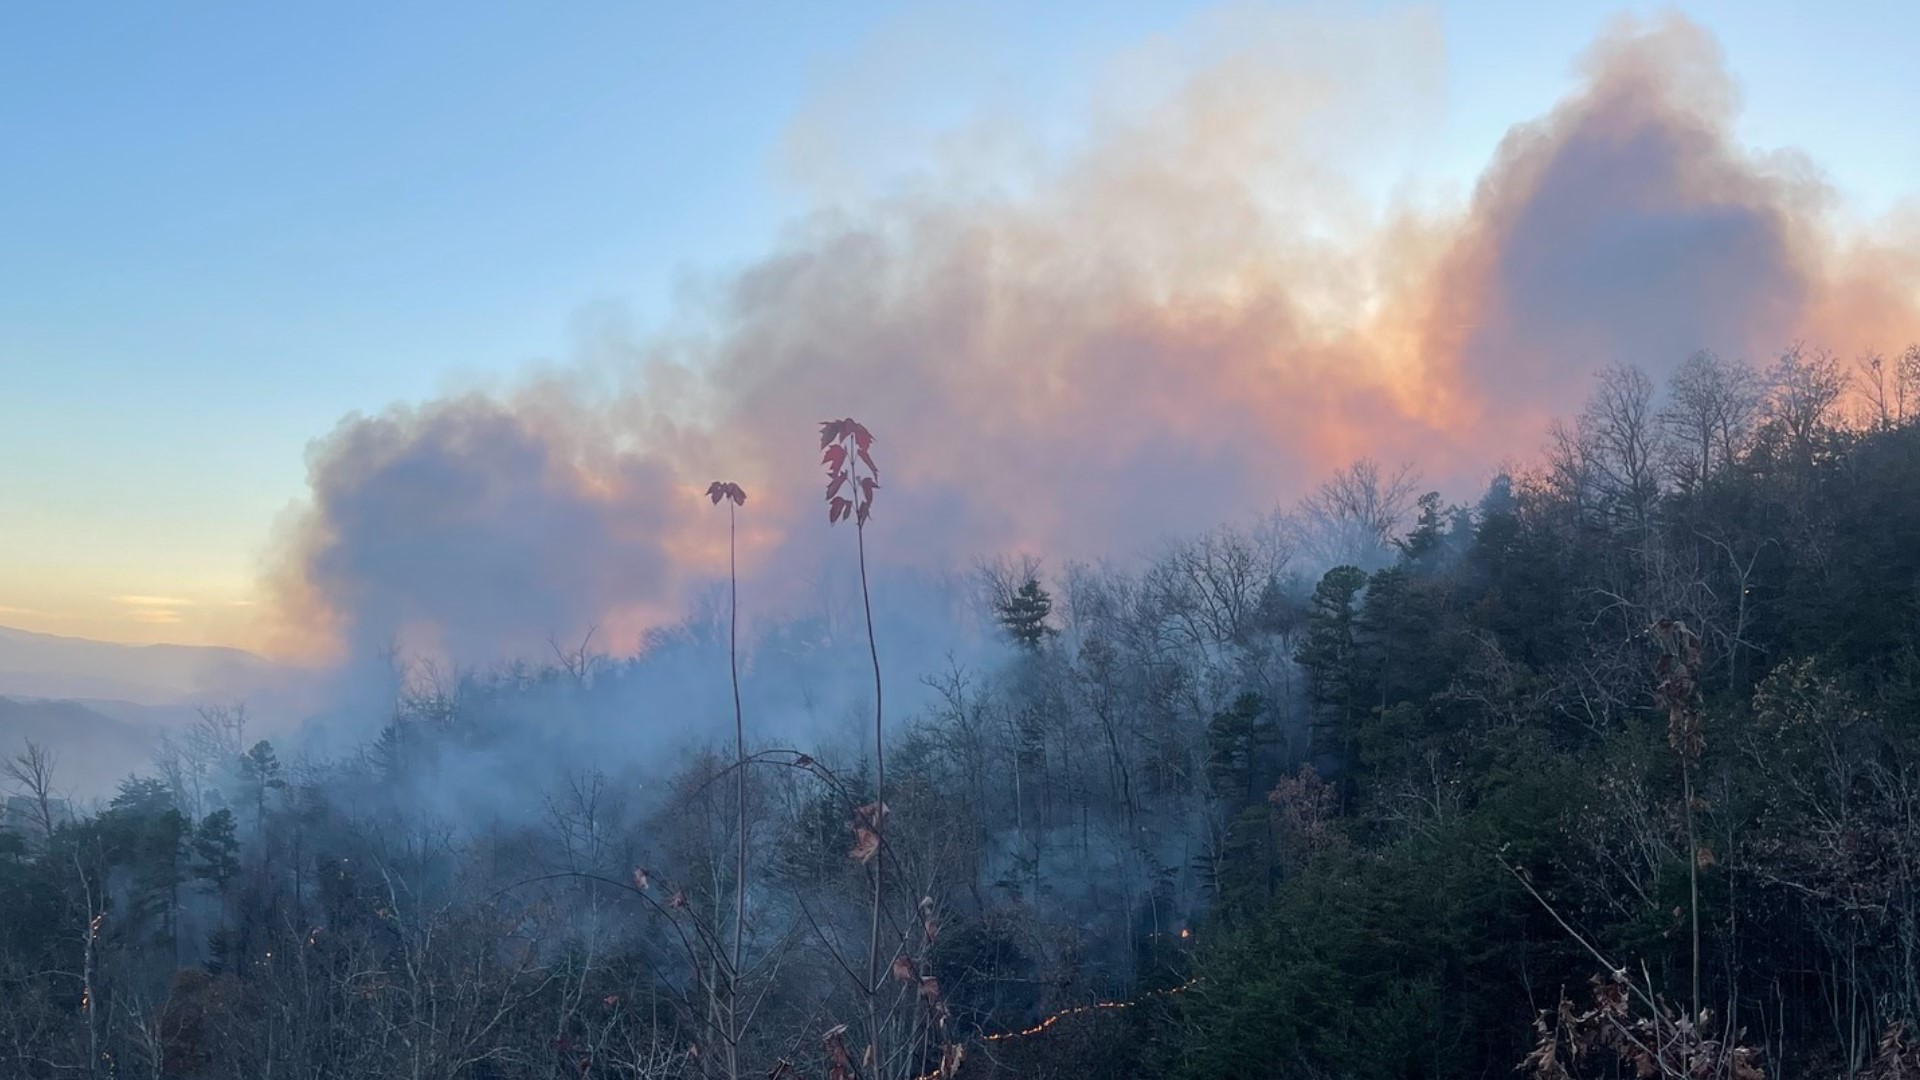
839,1061
866,830
838,439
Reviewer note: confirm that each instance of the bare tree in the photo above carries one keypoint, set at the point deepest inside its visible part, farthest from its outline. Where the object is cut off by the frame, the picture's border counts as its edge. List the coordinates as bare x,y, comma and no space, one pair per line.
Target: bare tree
1352,515
1624,439
1907,376
31,771
1891,387
1209,586
578,661
1806,389
192,763
1568,471
1710,412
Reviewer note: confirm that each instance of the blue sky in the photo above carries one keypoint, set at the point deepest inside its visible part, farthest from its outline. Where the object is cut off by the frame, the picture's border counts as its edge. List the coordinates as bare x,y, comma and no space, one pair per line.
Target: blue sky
223,226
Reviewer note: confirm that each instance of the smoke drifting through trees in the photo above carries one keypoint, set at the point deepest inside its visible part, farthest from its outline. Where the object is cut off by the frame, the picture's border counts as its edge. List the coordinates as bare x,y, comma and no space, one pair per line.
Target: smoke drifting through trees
532,872
1608,715
1156,330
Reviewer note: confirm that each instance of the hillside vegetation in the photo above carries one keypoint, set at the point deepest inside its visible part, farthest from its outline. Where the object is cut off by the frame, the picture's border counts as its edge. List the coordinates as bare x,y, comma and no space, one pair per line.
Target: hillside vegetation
1613,770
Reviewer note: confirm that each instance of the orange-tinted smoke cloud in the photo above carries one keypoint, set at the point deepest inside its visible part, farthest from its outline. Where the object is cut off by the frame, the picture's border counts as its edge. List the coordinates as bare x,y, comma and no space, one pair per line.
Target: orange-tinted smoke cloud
1187,321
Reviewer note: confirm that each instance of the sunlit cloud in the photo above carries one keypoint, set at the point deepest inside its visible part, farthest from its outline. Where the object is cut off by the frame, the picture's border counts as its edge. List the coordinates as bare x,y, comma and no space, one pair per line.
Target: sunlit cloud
153,610
153,601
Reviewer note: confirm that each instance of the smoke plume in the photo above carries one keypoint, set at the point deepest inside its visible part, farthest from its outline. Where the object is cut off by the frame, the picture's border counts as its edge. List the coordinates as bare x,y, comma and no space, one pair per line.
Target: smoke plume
1186,321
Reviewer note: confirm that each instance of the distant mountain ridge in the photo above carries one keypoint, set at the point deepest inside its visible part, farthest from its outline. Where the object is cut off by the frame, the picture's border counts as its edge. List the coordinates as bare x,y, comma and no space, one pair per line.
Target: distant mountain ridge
94,750
37,665
103,706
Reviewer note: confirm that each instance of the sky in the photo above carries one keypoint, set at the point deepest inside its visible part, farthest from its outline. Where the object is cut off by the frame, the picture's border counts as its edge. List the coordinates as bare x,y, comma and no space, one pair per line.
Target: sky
223,229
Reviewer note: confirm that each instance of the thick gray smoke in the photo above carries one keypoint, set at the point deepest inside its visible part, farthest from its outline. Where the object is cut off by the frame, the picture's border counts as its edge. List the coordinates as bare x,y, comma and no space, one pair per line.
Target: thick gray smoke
1157,336
1627,227
464,523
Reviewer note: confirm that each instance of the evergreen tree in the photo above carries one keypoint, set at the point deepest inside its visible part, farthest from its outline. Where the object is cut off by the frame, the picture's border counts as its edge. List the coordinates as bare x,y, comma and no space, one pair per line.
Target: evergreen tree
1330,654
144,835
259,774
216,849
1423,542
1235,739
1024,615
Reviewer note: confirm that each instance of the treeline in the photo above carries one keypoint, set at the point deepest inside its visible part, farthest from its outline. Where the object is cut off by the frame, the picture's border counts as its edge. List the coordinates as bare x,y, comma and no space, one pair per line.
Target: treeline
1610,772
1631,747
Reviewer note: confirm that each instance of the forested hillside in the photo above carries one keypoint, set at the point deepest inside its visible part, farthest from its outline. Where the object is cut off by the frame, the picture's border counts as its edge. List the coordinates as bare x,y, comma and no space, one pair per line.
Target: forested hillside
1612,770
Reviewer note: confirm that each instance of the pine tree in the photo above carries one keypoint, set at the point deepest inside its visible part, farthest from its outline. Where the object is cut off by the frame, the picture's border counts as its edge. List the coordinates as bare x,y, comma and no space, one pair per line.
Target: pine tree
1236,739
1425,539
216,846
259,774
1330,653
1024,615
